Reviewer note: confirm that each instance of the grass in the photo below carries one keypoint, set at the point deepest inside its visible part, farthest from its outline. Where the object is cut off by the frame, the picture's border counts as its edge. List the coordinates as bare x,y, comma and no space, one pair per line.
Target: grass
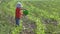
37,10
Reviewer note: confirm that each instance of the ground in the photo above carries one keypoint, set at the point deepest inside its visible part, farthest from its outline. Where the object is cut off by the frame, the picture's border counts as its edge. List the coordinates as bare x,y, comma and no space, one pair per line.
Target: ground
44,16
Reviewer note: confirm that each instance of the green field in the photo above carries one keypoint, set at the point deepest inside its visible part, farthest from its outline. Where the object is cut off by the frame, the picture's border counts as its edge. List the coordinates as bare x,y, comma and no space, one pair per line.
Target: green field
45,14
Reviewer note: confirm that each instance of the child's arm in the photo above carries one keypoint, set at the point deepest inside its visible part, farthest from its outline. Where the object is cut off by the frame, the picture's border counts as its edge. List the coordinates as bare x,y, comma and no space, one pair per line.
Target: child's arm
23,8
21,14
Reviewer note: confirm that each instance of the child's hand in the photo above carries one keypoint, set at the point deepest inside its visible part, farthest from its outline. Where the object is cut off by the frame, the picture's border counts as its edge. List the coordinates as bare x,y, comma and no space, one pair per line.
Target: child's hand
21,16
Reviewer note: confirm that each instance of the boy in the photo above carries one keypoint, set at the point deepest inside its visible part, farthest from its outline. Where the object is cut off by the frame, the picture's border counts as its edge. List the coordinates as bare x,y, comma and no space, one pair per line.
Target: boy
19,13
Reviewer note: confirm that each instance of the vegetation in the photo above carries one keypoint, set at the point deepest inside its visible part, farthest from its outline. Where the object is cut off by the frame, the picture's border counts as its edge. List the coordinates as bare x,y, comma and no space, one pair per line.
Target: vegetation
44,13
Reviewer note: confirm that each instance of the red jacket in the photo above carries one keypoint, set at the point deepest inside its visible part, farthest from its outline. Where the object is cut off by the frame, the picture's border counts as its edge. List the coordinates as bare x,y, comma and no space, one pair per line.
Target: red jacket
18,13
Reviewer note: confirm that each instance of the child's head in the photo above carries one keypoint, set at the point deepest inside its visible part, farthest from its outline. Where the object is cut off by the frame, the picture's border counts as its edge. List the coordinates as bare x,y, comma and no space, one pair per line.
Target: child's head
19,5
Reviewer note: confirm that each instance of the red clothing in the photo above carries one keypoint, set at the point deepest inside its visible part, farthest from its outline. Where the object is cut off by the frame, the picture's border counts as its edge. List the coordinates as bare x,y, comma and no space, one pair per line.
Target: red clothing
18,13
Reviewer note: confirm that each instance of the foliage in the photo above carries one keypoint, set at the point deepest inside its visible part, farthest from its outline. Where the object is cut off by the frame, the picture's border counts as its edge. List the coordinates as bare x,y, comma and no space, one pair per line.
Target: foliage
37,10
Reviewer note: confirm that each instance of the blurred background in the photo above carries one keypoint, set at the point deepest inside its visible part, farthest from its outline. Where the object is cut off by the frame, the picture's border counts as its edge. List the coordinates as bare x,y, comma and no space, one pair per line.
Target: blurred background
43,17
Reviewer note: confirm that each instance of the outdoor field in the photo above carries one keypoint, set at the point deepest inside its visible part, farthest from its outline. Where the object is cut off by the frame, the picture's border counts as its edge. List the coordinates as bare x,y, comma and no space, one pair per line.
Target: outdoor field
43,17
